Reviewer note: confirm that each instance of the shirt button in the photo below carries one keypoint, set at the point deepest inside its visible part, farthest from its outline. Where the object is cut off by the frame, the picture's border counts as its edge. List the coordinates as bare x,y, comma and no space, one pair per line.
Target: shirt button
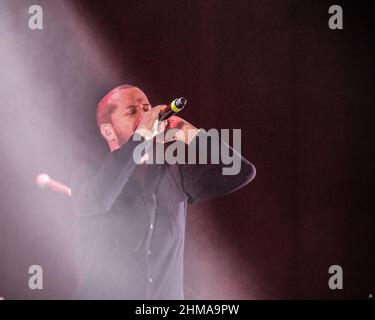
149,252
150,279
152,226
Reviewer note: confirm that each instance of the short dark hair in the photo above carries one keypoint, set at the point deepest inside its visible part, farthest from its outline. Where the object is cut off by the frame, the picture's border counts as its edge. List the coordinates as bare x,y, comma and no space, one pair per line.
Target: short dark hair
105,108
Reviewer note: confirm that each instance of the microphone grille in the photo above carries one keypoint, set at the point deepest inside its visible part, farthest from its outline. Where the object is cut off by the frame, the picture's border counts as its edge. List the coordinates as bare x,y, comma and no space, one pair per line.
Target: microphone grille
181,102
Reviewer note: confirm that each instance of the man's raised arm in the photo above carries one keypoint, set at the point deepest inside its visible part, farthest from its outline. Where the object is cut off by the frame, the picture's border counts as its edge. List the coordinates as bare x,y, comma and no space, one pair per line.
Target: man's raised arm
204,181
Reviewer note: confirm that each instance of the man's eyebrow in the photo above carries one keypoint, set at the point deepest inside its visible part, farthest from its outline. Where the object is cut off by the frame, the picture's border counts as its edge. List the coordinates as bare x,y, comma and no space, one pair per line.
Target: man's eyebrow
142,99
134,106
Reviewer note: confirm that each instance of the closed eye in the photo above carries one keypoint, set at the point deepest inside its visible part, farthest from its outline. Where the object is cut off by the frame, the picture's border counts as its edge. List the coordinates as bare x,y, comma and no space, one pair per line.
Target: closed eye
130,110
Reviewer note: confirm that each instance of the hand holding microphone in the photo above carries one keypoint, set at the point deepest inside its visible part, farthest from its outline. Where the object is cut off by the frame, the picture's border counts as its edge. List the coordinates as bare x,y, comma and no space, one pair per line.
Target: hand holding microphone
155,121
175,106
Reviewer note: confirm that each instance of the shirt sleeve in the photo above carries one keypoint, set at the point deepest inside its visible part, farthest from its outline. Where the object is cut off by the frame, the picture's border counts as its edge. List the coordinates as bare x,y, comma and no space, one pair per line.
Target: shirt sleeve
96,188
205,181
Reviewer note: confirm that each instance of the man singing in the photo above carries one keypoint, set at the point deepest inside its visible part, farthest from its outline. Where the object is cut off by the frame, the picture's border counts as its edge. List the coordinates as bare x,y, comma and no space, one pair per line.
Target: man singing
132,216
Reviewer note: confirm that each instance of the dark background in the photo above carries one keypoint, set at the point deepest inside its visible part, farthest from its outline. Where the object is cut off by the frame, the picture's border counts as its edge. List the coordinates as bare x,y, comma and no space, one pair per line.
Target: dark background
301,93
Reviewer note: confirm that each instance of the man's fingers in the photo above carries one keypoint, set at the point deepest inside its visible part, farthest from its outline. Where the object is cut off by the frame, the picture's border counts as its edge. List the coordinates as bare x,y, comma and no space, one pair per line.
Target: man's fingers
158,109
148,126
153,113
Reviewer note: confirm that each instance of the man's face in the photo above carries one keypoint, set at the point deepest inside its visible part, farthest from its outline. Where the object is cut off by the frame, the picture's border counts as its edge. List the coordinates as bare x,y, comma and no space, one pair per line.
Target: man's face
131,104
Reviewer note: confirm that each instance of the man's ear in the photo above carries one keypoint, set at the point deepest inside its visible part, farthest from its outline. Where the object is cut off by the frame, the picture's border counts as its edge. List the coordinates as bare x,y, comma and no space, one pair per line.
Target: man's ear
107,132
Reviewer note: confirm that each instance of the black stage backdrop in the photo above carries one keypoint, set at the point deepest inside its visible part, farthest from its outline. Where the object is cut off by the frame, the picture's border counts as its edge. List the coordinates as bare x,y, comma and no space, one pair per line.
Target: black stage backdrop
301,93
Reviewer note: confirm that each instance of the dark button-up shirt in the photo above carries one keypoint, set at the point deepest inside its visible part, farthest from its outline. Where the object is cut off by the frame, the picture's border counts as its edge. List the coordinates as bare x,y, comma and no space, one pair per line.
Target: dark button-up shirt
131,221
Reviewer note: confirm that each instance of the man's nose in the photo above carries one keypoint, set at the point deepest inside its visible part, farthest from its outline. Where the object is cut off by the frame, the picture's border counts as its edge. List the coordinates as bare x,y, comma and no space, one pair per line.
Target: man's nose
140,107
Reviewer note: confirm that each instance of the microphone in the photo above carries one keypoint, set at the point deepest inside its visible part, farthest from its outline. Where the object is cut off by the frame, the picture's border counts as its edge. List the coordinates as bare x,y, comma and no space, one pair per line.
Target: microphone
175,106
43,180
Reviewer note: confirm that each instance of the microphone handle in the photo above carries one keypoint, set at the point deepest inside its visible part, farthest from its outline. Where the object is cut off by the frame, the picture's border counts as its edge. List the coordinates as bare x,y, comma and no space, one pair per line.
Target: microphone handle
59,187
166,114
